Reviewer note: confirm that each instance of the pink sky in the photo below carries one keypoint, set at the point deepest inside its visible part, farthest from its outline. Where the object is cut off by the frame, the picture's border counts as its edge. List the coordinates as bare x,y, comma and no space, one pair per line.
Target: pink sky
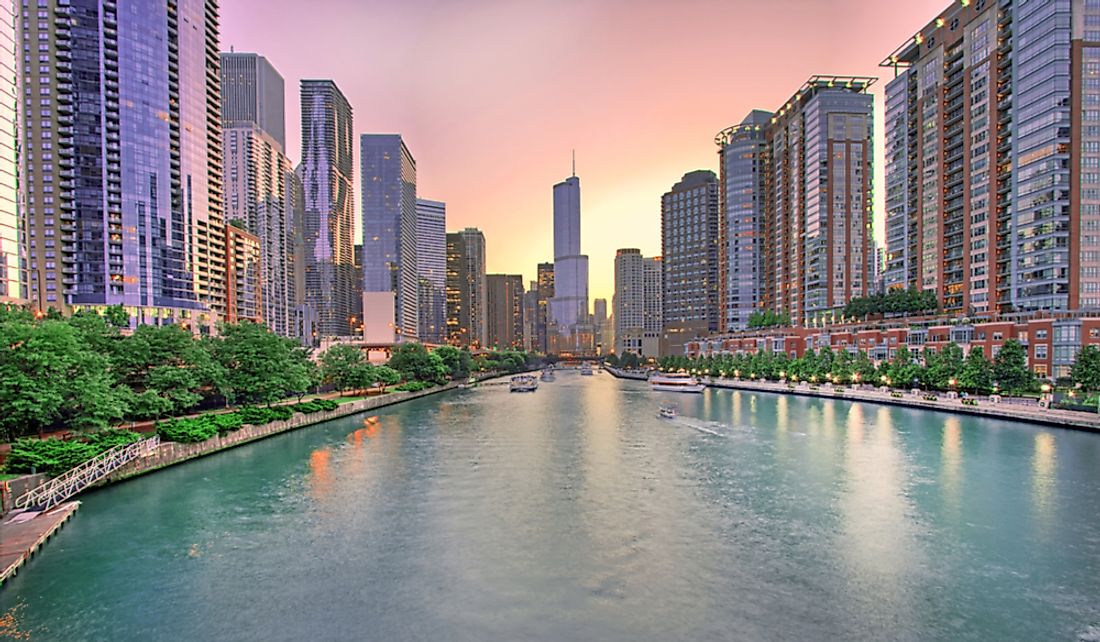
492,96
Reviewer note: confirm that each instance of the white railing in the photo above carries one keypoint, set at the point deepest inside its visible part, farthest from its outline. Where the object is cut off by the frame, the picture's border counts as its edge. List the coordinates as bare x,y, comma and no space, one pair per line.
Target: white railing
77,479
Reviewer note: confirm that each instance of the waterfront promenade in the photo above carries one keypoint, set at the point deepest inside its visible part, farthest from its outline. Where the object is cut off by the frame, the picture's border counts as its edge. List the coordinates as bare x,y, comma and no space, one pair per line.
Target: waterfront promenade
1005,409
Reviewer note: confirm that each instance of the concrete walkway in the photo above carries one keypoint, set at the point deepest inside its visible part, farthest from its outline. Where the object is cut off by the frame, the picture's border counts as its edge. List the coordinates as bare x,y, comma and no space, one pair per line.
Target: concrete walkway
23,533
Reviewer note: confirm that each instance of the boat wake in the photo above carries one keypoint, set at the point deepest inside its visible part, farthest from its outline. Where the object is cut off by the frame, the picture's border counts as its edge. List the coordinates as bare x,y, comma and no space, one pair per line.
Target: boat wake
702,426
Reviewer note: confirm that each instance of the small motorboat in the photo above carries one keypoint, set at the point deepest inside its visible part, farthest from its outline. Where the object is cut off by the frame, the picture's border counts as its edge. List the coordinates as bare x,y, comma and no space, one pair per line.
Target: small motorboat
547,375
586,369
523,383
667,412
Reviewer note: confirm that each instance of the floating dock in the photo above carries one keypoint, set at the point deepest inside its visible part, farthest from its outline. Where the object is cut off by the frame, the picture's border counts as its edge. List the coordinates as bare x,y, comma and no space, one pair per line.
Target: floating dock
21,536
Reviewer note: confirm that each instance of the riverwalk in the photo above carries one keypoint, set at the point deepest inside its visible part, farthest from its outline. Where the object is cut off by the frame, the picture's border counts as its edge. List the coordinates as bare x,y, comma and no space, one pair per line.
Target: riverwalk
983,406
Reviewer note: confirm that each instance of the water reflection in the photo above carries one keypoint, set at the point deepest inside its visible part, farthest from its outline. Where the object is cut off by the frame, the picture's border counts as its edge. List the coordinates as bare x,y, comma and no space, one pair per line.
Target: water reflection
879,540
1043,480
951,456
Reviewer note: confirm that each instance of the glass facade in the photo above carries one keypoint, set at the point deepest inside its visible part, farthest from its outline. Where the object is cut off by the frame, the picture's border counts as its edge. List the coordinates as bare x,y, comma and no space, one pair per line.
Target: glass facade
388,192
123,158
325,173
743,158
689,253
12,248
431,270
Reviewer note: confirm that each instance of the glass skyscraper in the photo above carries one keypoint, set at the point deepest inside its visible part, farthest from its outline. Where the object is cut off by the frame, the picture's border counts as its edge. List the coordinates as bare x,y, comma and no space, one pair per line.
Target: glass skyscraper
569,306
123,159
431,271
328,211
743,158
12,247
388,191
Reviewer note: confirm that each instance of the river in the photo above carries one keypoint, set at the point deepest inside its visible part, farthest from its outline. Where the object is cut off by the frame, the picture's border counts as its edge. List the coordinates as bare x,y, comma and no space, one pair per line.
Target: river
575,513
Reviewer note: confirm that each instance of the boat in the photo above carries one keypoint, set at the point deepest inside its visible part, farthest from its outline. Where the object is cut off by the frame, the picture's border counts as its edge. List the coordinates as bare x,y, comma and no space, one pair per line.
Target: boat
547,375
675,382
586,369
667,412
523,383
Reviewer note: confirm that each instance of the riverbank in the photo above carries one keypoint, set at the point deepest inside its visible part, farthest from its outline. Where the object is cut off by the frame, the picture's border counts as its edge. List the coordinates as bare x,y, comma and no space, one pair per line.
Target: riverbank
1069,419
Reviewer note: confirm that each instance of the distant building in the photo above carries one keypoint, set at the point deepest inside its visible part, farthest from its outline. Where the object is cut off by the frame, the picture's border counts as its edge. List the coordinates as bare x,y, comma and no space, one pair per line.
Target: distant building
604,332
690,256
243,276
569,305
326,175
530,317
388,190
252,92
505,311
466,288
637,303
545,295
431,261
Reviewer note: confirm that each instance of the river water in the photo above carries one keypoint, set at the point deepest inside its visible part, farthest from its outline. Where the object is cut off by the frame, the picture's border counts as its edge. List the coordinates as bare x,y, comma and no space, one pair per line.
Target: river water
575,513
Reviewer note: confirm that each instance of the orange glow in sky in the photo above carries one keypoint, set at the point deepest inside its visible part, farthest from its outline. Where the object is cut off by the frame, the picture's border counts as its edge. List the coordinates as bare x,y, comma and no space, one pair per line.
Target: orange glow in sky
491,97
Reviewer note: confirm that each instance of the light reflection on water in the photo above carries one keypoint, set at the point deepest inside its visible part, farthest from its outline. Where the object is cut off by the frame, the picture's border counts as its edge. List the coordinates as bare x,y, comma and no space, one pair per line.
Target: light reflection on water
576,513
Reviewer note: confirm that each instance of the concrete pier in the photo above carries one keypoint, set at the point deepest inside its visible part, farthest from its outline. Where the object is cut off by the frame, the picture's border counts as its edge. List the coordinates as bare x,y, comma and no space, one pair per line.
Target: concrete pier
21,535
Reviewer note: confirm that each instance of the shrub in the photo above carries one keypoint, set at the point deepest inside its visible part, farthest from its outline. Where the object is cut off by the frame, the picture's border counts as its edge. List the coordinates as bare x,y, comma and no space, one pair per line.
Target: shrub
259,416
55,456
970,402
414,386
187,431
105,440
316,405
896,395
931,398
50,456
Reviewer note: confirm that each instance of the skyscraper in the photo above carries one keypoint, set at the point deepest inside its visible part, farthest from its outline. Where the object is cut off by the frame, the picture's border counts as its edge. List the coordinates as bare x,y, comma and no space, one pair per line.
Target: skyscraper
388,190
637,303
466,284
690,249
504,316
124,160
545,278
326,175
253,92
600,324
431,271
742,158
12,239
255,175
817,232
992,149
569,306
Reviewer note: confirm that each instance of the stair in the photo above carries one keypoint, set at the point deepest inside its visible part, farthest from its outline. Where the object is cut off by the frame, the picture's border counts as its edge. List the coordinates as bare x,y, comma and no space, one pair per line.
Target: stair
77,479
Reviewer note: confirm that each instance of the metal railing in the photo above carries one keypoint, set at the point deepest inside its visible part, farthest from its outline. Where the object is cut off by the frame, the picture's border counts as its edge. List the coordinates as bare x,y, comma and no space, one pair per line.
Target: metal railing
77,479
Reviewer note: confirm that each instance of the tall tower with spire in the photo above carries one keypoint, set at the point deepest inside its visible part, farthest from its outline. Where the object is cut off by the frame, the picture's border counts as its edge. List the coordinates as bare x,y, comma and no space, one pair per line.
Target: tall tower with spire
569,306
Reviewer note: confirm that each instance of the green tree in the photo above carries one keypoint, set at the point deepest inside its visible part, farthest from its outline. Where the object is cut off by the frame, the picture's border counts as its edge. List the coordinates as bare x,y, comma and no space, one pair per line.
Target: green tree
902,370
340,366
260,366
629,360
977,372
1010,368
415,363
459,362
169,362
1086,368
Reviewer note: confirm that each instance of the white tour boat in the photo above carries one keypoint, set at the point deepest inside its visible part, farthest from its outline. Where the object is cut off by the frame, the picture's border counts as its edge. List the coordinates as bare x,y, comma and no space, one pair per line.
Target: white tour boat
675,382
523,383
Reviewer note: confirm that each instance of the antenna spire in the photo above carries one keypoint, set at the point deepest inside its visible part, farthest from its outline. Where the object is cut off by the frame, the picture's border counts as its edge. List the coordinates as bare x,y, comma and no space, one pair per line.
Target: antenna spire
574,163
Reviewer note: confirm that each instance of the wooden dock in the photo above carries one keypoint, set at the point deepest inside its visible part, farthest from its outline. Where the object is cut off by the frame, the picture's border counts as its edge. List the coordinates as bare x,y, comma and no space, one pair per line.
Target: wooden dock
21,537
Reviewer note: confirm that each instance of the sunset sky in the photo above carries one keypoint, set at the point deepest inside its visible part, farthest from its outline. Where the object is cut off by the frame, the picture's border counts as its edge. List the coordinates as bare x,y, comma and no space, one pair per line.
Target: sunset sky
492,96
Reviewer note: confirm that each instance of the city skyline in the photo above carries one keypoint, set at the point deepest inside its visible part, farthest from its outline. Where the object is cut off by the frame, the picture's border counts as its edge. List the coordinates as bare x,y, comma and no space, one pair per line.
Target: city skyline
460,140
